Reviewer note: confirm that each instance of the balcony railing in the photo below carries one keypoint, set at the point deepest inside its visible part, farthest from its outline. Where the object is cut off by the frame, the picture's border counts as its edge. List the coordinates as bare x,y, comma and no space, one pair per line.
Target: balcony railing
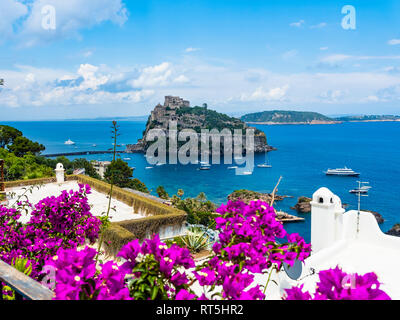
24,286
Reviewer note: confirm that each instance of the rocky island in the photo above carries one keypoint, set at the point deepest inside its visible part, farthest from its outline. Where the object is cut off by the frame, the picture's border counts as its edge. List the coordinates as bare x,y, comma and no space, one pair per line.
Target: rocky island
248,195
197,118
287,117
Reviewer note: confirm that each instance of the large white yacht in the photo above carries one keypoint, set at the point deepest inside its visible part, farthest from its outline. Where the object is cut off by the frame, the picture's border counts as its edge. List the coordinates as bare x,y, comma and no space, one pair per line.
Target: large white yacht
347,172
69,142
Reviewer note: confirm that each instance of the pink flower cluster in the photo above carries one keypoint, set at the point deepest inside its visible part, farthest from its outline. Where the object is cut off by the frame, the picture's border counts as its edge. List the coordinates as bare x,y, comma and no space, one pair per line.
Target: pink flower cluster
146,267
64,221
247,245
77,277
335,284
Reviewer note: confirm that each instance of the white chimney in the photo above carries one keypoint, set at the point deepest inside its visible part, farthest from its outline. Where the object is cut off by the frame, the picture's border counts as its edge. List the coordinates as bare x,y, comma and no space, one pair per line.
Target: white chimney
326,219
60,173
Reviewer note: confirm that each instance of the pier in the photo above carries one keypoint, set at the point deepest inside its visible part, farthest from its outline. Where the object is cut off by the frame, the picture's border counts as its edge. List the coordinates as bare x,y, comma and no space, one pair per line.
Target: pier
78,153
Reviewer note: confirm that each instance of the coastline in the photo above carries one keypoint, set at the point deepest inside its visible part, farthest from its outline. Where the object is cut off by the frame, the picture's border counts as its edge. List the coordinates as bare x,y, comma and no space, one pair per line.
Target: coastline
314,122
320,122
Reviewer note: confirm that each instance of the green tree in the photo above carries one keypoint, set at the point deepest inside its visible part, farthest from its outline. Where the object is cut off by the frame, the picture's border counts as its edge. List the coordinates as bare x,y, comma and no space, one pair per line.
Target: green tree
162,193
180,193
22,146
138,185
87,165
8,135
118,173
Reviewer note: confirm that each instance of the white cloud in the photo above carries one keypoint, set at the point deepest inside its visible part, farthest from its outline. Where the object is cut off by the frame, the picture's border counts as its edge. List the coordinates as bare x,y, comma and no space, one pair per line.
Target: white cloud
324,48
181,79
10,12
297,24
334,58
154,76
226,87
190,49
290,54
394,42
70,17
319,25
274,94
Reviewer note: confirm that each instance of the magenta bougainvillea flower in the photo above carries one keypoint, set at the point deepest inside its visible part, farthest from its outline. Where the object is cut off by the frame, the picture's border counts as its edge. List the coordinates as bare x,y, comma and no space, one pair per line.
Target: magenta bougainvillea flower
250,241
334,284
56,222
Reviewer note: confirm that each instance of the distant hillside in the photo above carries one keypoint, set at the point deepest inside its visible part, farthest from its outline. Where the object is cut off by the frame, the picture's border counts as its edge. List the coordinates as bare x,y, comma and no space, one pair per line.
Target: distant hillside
286,117
369,118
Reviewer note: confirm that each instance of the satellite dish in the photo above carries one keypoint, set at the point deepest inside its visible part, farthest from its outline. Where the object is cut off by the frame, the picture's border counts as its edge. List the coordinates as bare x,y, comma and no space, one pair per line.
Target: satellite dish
293,272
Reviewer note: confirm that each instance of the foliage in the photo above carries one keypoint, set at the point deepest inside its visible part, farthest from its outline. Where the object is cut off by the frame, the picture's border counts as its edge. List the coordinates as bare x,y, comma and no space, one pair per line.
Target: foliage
199,209
334,284
196,240
8,135
22,146
162,193
22,168
118,173
138,185
70,166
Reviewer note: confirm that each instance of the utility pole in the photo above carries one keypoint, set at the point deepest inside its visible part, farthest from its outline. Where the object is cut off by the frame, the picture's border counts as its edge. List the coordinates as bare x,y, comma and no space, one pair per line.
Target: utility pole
360,185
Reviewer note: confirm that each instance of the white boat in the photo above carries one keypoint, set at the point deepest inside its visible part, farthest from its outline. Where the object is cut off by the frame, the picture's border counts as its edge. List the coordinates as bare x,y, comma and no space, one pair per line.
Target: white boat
69,142
232,168
205,167
127,159
94,145
362,190
264,165
247,173
345,172
159,164
149,168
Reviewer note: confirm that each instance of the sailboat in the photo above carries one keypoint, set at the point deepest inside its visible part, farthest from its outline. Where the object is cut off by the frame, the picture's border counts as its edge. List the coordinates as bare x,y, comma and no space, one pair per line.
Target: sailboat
265,164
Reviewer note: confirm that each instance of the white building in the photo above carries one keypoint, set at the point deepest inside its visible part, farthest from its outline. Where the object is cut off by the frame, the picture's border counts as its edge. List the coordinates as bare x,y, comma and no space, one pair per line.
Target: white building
351,240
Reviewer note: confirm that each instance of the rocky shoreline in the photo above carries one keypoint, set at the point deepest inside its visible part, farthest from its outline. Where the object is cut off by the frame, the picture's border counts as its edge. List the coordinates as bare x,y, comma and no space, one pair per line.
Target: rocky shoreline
314,122
176,115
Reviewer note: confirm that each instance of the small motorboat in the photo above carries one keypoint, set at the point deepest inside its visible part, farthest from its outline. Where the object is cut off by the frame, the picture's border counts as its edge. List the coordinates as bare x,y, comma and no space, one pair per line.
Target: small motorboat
94,145
127,159
69,142
264,165
147,168
232,168
205,167
247,173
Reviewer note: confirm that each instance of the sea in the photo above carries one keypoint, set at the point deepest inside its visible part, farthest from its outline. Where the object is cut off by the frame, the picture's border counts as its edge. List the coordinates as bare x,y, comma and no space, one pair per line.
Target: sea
303,153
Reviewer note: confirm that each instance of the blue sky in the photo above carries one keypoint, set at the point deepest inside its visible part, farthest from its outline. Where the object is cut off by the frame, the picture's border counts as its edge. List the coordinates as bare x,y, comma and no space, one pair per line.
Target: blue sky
119,58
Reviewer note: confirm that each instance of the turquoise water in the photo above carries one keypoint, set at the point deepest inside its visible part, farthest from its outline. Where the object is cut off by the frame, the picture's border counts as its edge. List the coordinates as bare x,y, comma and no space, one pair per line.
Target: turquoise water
304,152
